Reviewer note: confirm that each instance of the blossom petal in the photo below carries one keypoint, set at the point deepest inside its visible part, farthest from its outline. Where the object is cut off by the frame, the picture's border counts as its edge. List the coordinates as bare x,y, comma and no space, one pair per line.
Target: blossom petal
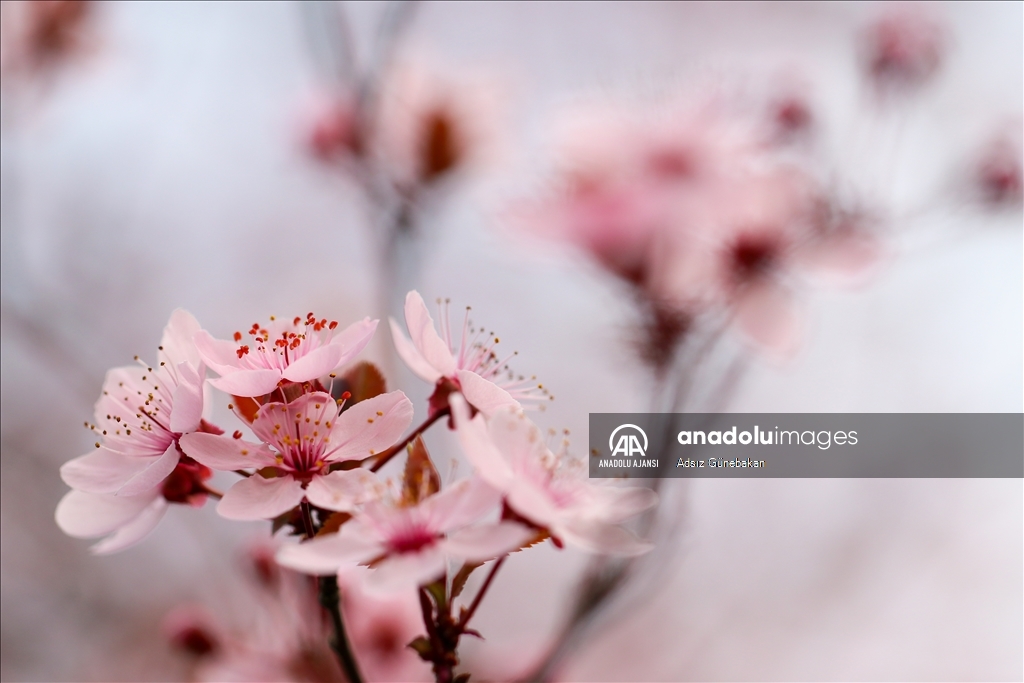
135,530
102,471
518,439
154,473
425,337
482,394
259,498
107,471
767,315
187,405
178,342
532,502
412,358
219,354
482,543
224,453
316,363
248,382
344,490
486,459
598,537
354,339
370,427
616,503
845,258
327,554
462,503
407,570
88,515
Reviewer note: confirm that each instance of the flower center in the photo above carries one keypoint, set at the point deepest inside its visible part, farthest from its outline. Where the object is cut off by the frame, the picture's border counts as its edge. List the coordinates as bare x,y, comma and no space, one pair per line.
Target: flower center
411,541
752,256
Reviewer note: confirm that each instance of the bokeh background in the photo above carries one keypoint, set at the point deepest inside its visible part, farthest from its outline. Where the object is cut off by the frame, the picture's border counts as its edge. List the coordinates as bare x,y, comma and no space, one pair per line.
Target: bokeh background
165,164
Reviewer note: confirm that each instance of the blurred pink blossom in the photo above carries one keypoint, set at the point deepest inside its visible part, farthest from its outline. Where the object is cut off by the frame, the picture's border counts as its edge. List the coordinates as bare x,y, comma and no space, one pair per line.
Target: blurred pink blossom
331,128
283,638
509,453
428,126
903,48
381,626
38,34
700,213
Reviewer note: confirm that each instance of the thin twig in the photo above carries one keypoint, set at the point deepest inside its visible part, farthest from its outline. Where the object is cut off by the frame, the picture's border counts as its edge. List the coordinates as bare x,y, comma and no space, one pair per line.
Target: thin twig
480,594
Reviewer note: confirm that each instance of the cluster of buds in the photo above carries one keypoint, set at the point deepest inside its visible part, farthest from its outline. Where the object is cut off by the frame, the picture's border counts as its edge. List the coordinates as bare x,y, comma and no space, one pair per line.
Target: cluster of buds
307,449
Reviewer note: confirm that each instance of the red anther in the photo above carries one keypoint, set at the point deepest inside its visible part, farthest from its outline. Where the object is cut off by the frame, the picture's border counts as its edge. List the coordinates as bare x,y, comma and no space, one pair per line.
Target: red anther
346,395
237,435
242,350
238,336
316,327
334,323
297,320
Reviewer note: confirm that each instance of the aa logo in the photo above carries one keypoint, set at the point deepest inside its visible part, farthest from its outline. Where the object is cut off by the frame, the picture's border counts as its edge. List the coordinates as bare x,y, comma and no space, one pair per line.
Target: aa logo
628,443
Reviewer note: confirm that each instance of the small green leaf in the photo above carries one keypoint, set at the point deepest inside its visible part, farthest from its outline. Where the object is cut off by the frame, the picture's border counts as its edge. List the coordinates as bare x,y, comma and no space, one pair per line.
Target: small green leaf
423,648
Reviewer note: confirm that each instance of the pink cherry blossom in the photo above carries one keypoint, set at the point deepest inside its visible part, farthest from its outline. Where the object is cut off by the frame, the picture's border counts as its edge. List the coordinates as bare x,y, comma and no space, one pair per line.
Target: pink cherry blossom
903,48
408,546
509,453
140,416
431,126
301,440
295,351
122,490
470,366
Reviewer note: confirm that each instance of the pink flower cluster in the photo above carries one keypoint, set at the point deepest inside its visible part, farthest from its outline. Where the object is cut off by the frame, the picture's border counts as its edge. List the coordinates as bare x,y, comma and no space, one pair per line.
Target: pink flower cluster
701,213
308,452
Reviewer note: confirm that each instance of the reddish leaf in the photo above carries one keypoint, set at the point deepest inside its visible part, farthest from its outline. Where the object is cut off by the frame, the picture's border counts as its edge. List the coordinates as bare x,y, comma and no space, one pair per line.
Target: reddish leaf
363,380
420,479
333,523
246,407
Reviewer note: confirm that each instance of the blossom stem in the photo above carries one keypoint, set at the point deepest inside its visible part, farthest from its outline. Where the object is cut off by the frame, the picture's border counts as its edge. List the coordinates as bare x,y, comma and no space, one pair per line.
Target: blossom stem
480,594
330,600
442,655
213,493
384,457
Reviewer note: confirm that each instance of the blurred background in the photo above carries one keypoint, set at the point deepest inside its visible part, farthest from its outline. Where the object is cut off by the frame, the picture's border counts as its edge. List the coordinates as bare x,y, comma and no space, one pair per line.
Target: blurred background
157,155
